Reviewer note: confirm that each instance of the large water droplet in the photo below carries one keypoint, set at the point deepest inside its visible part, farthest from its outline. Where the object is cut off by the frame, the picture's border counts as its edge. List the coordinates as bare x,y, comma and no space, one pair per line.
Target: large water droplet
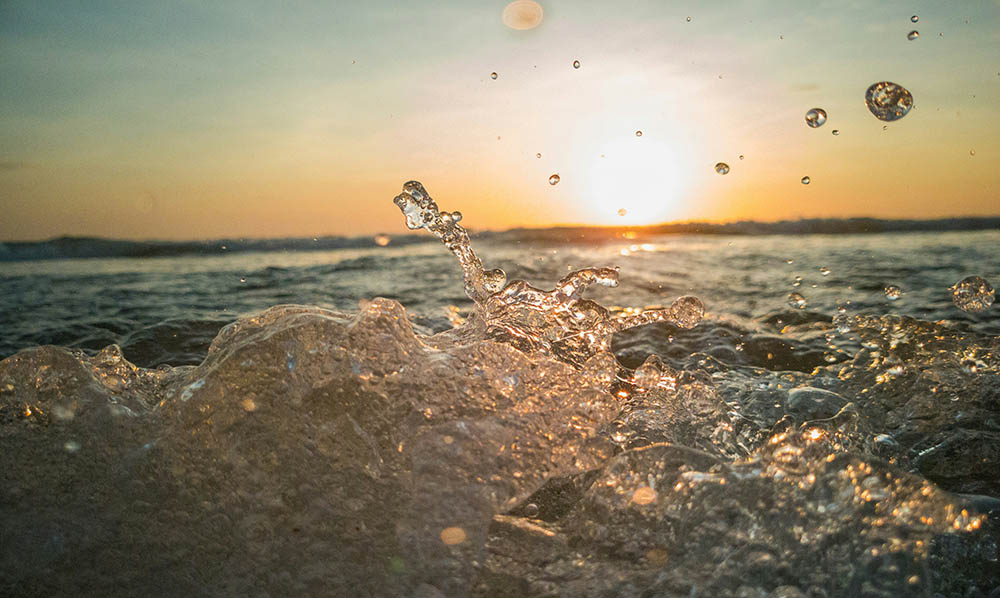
892,292
913,35
972,294
576,64
722,167
888,101
493,75
796,300
554,179
522,14
806,180
816,117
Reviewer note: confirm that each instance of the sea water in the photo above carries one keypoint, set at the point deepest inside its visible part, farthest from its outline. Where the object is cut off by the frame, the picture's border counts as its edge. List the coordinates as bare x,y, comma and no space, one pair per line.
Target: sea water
388,430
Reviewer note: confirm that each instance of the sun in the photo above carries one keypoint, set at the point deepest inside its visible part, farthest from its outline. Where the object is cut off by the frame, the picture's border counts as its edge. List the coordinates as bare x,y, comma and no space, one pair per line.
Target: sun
635,182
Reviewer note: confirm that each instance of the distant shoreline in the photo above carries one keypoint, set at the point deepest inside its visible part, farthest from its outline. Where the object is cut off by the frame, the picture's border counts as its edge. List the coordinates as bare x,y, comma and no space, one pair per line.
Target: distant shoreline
96,247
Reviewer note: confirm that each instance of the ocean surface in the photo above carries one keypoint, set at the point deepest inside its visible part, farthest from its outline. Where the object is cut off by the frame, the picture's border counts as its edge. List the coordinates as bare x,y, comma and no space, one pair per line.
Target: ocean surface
185,436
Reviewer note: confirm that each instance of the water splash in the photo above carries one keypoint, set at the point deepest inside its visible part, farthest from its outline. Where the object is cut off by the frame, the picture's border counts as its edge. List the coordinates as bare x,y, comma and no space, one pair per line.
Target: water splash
559,322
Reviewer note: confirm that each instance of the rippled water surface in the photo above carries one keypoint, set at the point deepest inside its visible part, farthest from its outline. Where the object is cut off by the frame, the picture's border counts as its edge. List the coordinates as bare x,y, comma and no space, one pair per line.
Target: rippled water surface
387,447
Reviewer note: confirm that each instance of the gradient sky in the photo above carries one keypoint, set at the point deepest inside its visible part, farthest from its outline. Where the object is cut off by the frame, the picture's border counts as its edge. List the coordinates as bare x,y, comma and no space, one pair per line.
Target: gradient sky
181,120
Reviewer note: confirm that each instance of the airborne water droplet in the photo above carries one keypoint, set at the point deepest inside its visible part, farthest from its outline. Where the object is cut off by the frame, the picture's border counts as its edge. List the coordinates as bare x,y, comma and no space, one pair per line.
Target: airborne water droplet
638,133
741,156
816,117
892,292
554,179
71,446
689,19
888,101
722,167
796,300
824,271
382,240
913,35
914,19
576,64
538,155
806,180
972,294
493,75
836,131
622,211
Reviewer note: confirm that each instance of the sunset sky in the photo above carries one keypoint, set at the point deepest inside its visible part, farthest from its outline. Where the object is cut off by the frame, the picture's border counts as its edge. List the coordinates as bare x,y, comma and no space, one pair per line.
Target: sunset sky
182,120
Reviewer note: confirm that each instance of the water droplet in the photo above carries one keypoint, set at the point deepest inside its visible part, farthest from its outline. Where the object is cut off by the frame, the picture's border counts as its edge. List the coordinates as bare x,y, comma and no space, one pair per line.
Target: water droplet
789,261
644,495
816,117
892,292
913,35
969,366
914,19
71,446
622,211
796,300
531,510
382,240
494,280
689,19
538,155
781,37
888,101
493,75
638,133
554,179
797,282
972,294
722,168
824,271
452,535
806,180
836,131
741,156
242,279
972,152
576,64
522,14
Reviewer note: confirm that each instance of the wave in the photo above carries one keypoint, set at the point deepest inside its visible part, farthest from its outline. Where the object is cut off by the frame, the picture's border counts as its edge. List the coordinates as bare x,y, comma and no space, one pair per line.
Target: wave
69,247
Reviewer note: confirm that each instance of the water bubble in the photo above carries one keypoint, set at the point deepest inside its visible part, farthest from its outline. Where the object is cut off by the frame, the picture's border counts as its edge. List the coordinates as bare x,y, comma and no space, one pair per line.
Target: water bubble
638,133
806,180
888,101
972,294
816,117
71,446
796,300
554,179
913,35
914,19
836,131
824,271
576,64
493,75
892,292
722,168
622,211
382,240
